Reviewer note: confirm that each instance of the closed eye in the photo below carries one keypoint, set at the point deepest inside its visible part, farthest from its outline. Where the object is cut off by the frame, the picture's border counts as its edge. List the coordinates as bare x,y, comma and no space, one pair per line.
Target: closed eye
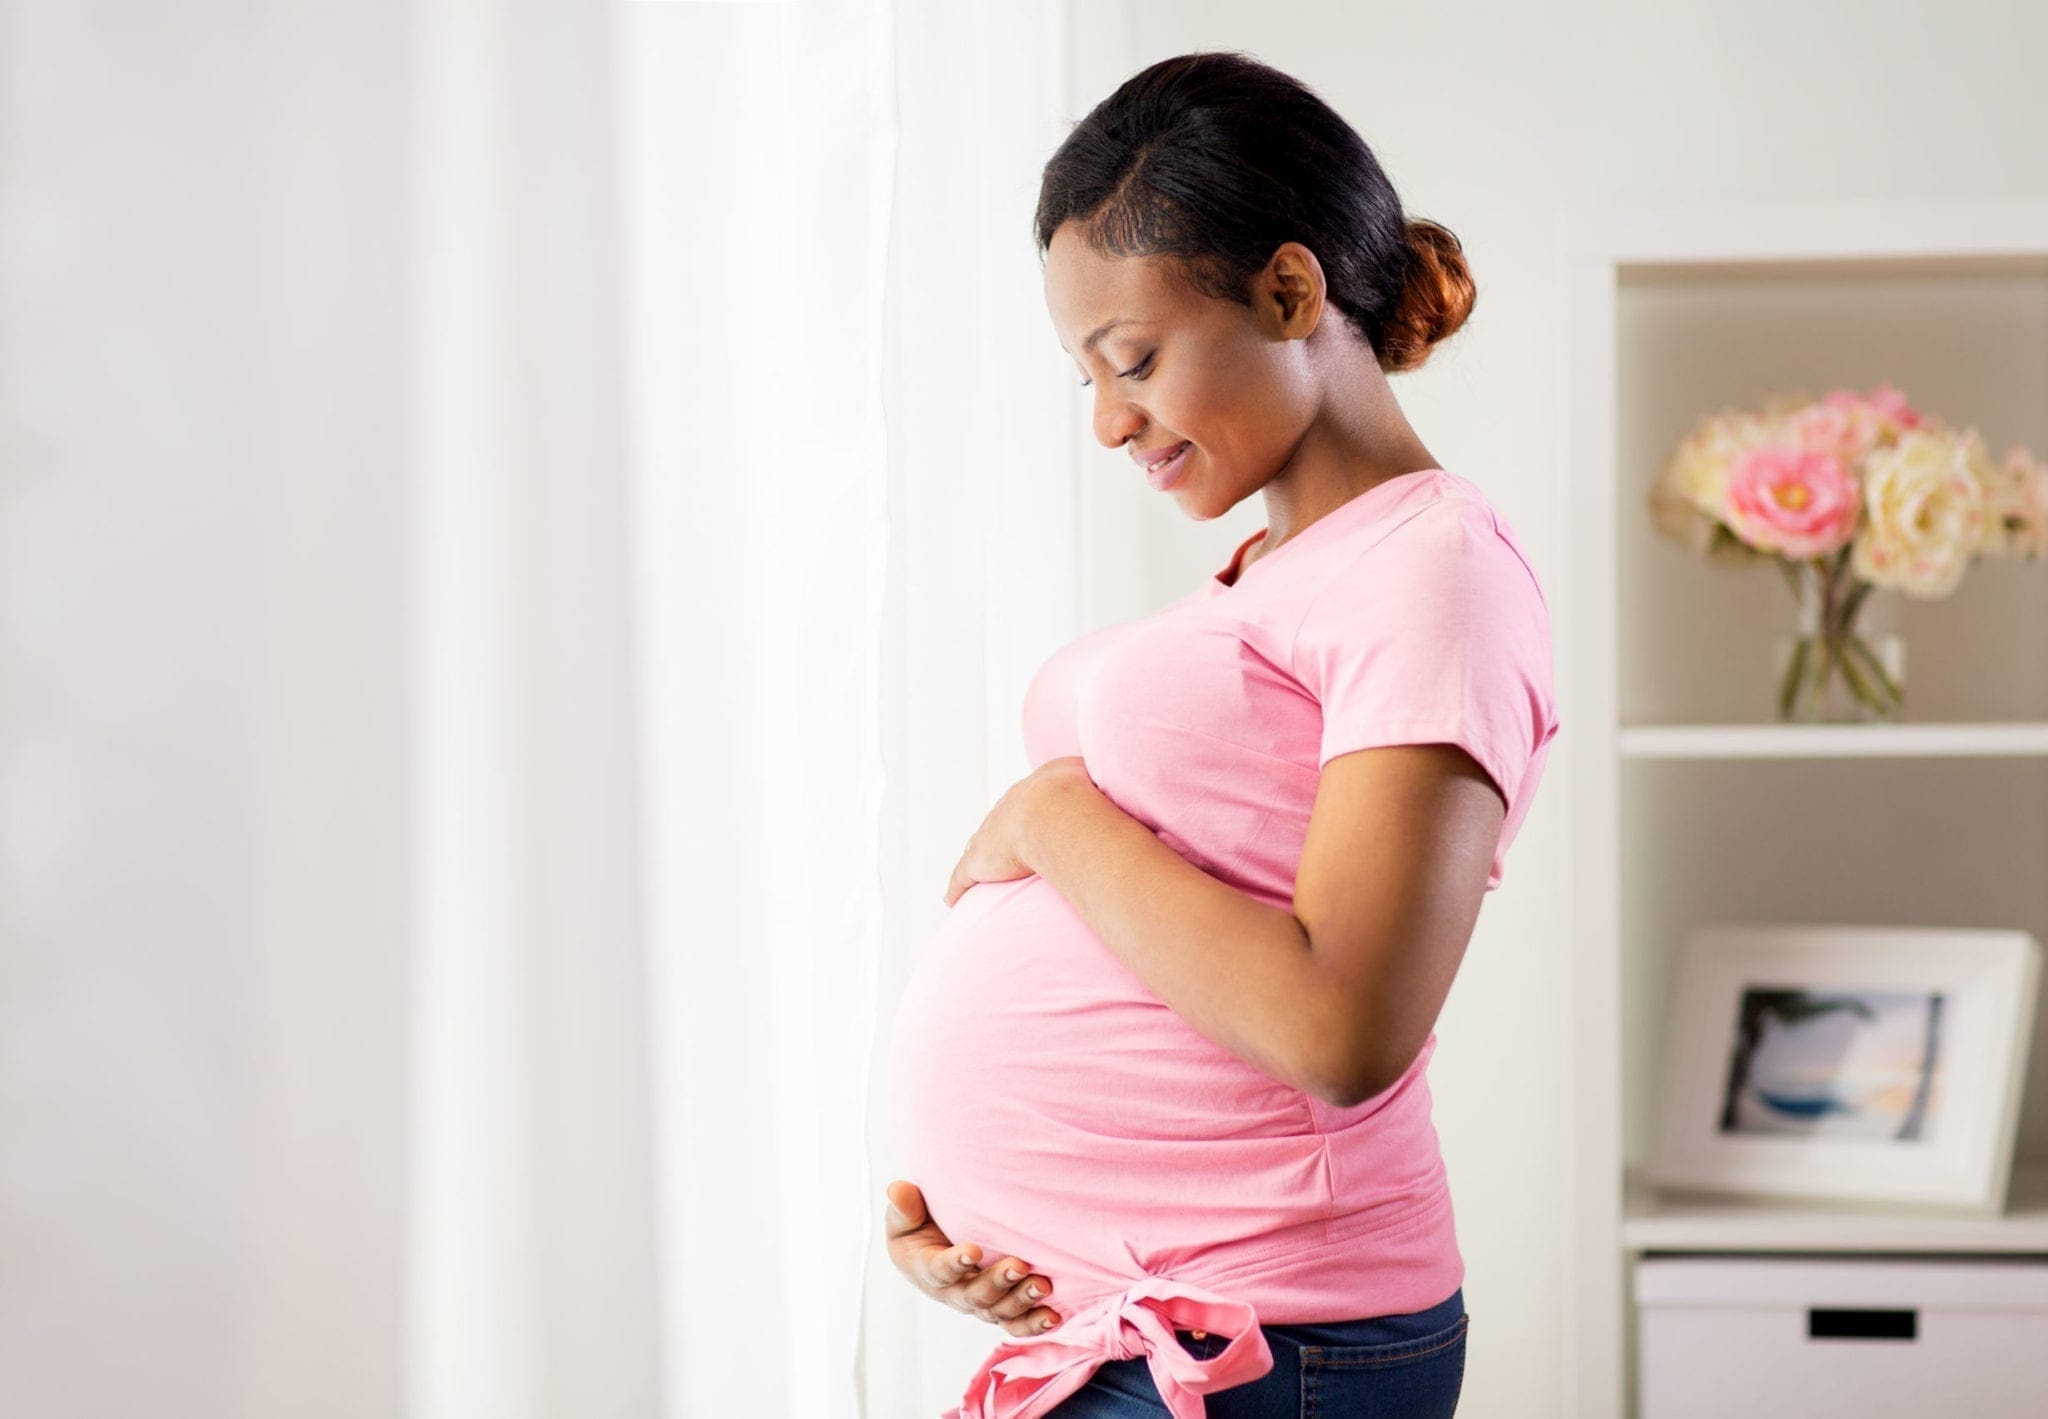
1137,371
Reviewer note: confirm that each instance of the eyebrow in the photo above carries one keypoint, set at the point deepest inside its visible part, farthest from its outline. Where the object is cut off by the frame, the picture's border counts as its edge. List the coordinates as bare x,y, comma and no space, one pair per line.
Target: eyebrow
1104,329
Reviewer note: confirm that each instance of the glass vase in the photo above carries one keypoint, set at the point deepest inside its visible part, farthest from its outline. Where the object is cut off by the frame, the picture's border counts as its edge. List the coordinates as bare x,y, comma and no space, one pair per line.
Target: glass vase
1829,670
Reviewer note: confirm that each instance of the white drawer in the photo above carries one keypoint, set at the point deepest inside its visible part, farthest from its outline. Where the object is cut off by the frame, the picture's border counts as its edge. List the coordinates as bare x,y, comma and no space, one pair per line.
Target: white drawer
1847,1337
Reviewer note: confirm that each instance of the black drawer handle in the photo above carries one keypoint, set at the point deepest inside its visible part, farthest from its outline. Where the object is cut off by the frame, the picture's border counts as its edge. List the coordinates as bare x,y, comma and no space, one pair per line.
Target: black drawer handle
1861,1325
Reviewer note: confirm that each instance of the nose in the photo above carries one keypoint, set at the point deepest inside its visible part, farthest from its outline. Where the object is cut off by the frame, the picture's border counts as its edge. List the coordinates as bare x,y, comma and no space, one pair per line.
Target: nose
1116,422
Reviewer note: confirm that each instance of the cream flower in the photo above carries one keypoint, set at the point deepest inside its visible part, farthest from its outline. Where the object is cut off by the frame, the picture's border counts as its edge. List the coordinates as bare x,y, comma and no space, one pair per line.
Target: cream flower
2016,521
2027,514
1689,503
1926,509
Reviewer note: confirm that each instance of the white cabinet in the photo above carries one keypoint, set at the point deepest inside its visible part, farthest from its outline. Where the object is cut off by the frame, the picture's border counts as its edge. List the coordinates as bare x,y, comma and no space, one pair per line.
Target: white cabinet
1784,1338
1690,803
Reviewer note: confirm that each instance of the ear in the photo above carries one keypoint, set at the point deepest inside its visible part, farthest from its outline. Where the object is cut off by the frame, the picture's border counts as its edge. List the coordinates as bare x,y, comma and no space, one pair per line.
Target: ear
1291,291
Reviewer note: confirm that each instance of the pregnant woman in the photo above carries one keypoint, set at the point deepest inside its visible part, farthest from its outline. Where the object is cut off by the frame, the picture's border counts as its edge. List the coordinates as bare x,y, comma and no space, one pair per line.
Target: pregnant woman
1165,1060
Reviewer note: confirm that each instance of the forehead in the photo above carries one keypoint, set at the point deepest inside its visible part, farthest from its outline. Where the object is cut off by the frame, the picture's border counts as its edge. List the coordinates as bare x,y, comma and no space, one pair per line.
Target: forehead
1085,289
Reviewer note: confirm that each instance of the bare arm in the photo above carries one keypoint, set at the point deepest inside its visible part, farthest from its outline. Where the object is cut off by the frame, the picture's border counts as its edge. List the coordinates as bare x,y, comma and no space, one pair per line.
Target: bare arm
1329,996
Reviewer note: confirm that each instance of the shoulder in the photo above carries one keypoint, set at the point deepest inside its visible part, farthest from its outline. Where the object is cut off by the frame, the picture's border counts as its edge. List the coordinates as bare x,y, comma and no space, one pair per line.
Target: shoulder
1445,546
1456,514
1470,496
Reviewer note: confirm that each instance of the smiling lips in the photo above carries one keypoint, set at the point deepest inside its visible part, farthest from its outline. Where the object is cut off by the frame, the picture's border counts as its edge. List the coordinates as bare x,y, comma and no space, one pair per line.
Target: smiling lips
1152,458
1164,473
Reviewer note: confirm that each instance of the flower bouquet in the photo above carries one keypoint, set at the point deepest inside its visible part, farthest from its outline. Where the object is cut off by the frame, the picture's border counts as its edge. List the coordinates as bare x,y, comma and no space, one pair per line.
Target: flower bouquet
1845,493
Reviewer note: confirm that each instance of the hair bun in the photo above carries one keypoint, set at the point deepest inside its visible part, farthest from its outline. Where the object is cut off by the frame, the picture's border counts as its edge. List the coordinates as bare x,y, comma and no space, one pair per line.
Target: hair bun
1214,159
1436,297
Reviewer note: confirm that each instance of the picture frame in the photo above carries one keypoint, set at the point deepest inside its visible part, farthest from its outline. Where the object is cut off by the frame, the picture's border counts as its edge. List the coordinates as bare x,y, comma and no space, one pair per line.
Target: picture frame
1875,1064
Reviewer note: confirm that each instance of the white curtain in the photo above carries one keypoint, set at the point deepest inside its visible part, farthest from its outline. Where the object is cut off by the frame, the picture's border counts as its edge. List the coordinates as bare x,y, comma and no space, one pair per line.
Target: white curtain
855,452
523,525
761,145
532,1180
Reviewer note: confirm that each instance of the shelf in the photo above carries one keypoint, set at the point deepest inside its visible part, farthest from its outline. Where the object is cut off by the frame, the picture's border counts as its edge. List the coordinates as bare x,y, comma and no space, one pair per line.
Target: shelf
1720,812
2026,739
1636,242
1662,1219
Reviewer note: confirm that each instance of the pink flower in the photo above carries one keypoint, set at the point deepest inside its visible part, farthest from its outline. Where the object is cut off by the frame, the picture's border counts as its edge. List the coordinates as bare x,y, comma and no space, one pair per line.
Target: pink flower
1892,404
1842,430
1797,501
1849,425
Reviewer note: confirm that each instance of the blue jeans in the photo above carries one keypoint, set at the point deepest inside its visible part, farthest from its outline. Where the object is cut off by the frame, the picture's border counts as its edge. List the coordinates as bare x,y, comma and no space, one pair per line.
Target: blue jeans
1389,1367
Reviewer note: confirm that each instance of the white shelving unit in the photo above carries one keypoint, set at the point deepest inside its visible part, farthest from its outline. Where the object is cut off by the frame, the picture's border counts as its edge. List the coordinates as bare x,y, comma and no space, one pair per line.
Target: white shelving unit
1660,1219
1690,802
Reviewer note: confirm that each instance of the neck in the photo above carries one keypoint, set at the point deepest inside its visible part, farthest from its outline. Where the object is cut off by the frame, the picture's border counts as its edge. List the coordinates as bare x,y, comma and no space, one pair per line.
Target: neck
1357,440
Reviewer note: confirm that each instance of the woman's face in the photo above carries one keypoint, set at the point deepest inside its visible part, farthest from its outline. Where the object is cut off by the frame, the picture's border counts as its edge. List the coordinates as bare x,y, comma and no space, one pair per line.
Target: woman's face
1237,385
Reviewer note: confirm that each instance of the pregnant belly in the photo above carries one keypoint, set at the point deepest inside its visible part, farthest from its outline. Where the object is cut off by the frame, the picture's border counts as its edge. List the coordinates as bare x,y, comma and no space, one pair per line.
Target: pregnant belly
1049,1106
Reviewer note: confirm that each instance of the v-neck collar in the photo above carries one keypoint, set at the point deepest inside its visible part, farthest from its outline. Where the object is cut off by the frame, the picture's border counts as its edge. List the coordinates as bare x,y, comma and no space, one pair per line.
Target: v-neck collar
1337,516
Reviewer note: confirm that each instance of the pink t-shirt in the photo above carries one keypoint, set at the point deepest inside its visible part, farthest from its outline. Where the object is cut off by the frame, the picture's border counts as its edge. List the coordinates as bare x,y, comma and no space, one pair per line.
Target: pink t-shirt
1052,1108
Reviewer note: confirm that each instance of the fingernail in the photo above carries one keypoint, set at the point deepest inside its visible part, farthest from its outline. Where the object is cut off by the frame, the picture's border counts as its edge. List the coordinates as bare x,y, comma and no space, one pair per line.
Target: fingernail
1011,1273
1047,1324
1034,1291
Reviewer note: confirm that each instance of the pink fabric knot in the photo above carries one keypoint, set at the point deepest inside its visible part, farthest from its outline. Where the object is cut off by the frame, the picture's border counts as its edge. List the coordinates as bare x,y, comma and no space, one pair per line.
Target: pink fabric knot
1026,1377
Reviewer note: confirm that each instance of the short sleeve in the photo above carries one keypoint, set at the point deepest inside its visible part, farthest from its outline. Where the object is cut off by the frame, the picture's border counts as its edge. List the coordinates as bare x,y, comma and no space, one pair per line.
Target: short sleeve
1438,632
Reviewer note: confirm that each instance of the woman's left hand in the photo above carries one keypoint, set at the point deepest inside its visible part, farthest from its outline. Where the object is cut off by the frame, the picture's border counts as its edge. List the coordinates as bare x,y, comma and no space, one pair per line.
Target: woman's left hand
998,851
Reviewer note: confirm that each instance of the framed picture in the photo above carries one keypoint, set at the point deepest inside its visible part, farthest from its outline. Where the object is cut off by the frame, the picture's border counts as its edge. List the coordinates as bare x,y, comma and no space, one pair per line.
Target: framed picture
1860,1063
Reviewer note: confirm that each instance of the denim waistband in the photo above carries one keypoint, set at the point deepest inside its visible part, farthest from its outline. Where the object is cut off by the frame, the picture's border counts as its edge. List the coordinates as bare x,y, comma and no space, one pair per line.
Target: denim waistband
1372,1330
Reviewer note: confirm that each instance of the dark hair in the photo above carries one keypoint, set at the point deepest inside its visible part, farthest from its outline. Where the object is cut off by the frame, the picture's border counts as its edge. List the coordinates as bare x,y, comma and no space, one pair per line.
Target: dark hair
1215,159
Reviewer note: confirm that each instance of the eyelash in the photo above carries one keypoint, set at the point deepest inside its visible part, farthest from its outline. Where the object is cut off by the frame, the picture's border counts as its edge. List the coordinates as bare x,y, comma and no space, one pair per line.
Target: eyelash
1131,373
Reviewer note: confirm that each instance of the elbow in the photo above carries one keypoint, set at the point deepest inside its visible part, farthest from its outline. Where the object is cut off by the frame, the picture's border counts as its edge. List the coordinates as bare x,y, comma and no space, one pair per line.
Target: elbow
1350,1084
1350,1096
1361,1074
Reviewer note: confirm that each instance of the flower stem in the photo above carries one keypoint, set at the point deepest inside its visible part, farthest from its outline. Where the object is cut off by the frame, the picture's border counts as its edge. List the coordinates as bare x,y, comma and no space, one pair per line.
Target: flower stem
1795,671
1894,695
1860,683
1854,603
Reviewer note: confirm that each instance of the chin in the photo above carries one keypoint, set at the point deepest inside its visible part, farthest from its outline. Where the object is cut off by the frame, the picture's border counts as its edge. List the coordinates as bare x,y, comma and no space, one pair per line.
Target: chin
1205,504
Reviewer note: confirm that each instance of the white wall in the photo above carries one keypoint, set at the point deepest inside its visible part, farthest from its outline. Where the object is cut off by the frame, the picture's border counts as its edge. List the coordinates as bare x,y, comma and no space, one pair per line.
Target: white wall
203,1004
1493,118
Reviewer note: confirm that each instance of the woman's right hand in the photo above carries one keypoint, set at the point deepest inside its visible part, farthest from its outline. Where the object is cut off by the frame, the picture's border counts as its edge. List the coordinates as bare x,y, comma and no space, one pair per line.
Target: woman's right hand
955,1276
